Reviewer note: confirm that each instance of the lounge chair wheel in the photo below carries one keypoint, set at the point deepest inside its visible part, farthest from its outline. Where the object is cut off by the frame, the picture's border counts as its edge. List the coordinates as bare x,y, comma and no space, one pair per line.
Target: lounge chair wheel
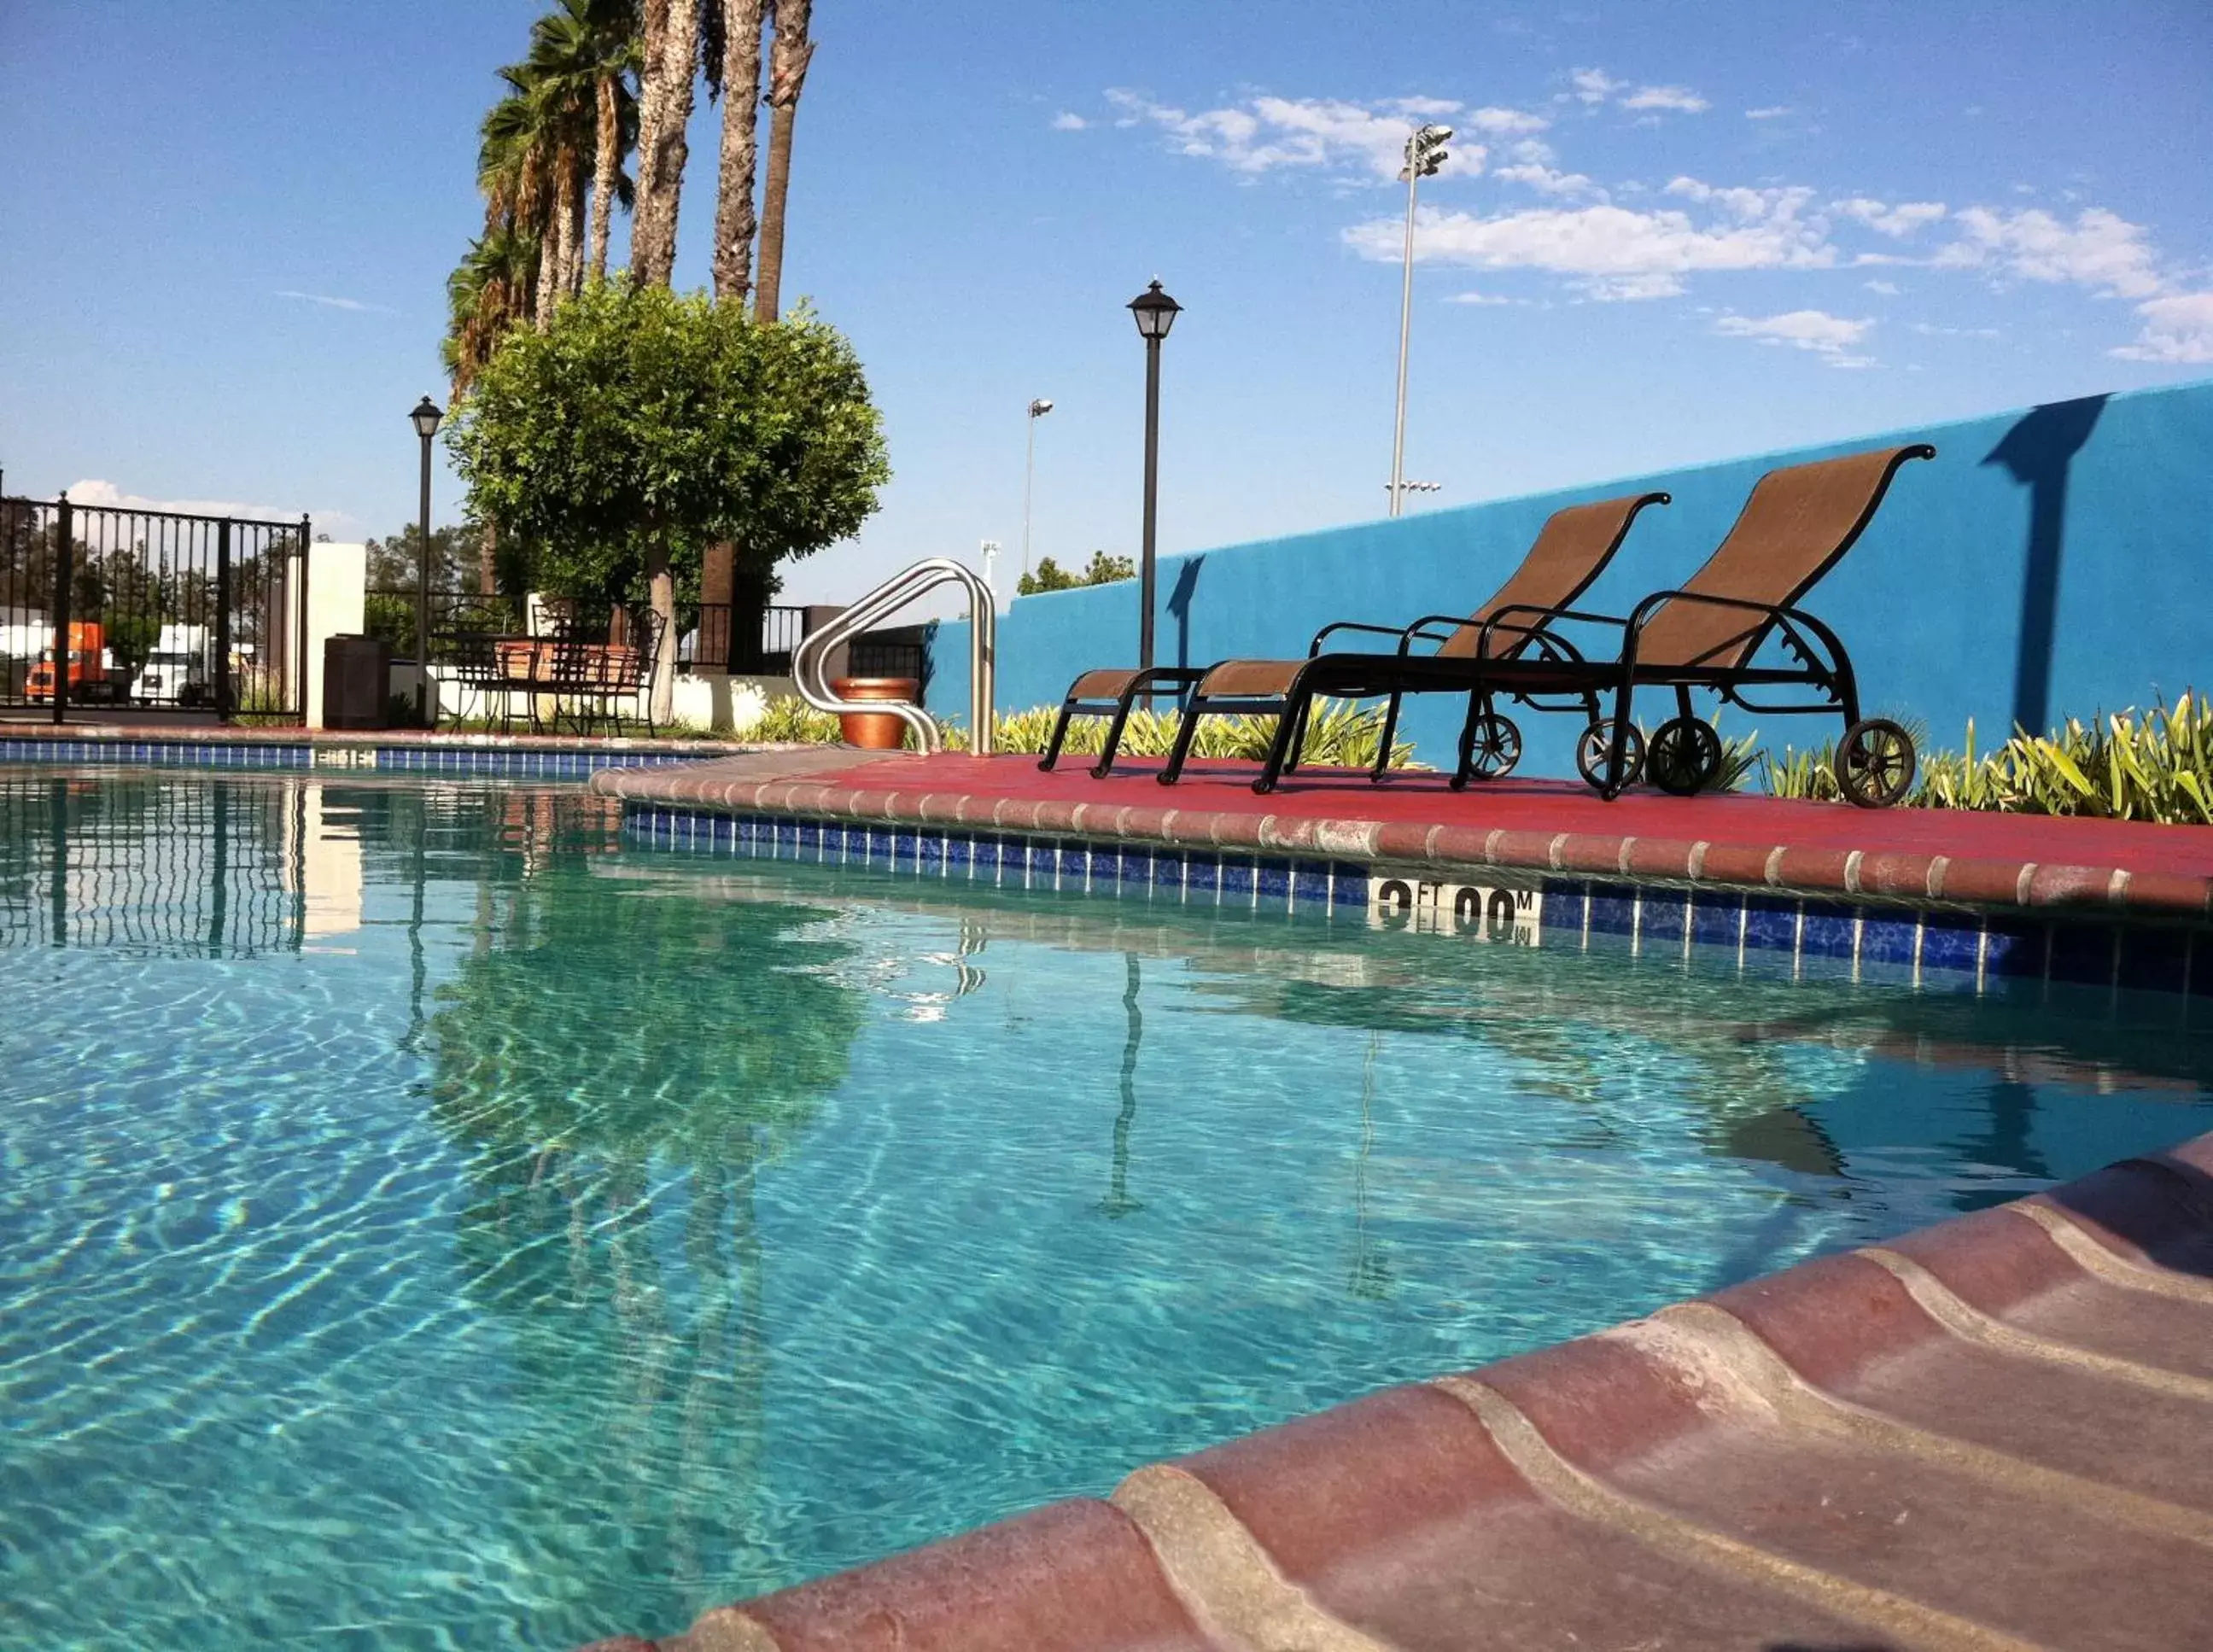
1494,747
1684,756
1875,763
1596,745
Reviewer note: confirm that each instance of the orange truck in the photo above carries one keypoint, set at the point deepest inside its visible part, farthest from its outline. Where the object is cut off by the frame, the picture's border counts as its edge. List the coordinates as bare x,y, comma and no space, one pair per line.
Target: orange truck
90,677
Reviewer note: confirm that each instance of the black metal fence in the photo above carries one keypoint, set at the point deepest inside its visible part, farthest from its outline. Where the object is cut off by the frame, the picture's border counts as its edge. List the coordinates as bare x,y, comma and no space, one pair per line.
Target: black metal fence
389,612
707,643
151,610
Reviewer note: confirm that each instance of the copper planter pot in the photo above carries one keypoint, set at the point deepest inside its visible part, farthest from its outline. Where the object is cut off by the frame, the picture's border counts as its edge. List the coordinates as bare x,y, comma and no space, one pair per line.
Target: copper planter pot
874,731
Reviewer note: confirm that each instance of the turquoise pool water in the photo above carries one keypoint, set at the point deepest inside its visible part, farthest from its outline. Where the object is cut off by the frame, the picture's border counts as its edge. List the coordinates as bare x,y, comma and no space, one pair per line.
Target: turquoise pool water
426,1223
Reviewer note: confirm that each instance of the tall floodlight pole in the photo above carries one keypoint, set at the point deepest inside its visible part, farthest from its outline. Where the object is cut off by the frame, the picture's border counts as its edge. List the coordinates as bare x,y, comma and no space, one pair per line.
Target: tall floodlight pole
1426,153
1039,409
425,420
1155,312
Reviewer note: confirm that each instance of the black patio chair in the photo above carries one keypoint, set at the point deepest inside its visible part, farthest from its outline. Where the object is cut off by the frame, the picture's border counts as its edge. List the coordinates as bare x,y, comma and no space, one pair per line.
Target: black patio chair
590,680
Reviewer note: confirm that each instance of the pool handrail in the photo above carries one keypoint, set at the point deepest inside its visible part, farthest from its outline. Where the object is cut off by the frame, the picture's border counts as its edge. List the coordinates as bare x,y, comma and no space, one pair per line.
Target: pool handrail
809,660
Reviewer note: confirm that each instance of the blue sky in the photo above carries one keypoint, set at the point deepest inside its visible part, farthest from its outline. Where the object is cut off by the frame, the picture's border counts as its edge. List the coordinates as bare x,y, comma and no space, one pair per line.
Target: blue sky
1670,233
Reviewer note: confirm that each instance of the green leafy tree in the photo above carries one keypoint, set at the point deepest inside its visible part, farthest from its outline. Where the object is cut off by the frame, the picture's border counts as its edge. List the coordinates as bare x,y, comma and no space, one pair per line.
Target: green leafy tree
642,425
1051,576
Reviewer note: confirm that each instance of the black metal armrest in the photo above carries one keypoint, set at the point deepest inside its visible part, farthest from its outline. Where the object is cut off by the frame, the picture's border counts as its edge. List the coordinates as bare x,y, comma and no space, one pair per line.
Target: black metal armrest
1783,613
1496,621
1315,646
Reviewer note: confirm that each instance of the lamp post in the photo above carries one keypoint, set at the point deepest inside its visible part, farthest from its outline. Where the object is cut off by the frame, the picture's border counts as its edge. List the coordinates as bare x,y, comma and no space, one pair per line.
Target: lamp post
425,420
1039,409
1155,312
1426,153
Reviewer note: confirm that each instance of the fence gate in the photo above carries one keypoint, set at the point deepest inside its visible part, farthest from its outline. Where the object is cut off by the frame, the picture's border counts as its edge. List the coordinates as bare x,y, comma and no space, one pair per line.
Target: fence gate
104,607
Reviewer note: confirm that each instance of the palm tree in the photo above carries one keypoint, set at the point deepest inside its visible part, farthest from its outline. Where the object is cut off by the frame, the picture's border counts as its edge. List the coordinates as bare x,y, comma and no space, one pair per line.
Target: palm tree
667,64
514,172
484,299
730,49
489,291
581,54
787,75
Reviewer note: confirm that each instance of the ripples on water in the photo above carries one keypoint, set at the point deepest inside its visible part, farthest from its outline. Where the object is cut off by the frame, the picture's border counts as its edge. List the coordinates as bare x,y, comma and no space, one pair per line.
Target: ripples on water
427,1224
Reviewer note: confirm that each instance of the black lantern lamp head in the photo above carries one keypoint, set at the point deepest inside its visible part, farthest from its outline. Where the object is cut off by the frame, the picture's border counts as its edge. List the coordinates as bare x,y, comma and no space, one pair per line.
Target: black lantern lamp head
425,418
1155,312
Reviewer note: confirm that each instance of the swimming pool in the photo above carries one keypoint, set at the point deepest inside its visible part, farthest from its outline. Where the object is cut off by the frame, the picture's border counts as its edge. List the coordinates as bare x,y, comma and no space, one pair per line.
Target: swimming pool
428,1221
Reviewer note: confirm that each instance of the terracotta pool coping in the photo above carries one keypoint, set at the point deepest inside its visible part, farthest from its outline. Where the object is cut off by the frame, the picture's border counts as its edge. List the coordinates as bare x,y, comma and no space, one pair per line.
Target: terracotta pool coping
1995,1433
2118,870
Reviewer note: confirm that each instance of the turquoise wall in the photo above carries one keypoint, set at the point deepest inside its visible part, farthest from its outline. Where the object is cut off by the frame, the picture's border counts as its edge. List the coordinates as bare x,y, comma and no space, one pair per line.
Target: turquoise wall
2046,564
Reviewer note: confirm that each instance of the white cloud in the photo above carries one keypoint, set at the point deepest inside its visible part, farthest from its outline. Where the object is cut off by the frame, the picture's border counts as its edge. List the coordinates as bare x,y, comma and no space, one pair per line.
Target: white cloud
1771,113
1503,123
2101,249
1479,298
1616,252
1594,87
93,490
1887,288
1679,98
1931,330
329,303
1833,338
1069,121
1545,182
1326,134
1896,222
2177,328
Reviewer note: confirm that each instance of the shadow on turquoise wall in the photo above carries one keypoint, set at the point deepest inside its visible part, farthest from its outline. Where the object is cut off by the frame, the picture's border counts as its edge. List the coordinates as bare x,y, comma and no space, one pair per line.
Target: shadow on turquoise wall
2047,563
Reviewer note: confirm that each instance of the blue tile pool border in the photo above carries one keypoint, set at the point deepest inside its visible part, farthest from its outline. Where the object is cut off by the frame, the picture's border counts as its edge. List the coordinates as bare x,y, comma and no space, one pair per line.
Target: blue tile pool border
1947,949
457,761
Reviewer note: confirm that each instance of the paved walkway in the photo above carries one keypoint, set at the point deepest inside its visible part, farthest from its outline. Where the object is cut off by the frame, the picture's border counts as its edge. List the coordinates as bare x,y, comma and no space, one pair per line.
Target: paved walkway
2113,867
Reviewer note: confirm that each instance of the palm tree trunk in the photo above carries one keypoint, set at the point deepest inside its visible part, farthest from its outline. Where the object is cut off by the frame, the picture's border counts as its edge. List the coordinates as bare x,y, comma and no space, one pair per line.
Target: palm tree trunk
672,51
743,22
787,75
572,266
488,560
605,160
549,262
553,273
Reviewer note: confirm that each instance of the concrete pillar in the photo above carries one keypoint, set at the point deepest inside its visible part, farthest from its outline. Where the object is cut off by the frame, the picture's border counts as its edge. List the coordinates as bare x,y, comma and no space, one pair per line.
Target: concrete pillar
337,578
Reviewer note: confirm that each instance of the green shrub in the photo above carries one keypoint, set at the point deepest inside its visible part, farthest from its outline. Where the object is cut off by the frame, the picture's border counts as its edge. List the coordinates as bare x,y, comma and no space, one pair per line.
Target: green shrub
2154,766
790,721
1339,734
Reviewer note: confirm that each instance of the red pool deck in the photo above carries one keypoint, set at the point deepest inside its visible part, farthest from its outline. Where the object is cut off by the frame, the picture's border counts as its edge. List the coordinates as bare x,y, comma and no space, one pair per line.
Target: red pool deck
1994,1434
2118,869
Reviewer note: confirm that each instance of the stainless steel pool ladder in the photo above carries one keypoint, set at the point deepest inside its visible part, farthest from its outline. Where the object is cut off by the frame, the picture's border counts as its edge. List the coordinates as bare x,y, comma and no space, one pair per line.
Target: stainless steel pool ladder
808,672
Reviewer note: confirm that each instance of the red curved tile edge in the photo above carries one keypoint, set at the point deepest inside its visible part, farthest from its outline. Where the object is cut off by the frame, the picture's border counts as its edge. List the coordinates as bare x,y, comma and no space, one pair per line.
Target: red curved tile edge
1403,1517
1734,842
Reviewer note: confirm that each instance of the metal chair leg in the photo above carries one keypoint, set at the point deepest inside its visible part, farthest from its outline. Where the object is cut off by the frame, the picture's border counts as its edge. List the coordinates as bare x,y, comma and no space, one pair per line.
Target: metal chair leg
1382,764
1104,766
1617,750
1186,731
1303,703
1059,734
1283,750
1464,768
